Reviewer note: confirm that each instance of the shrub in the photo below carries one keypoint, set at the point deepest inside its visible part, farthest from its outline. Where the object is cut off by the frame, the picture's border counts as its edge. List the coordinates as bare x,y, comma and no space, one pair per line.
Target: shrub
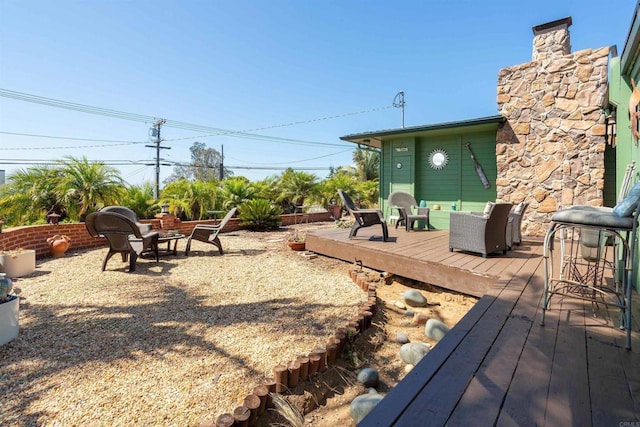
259,215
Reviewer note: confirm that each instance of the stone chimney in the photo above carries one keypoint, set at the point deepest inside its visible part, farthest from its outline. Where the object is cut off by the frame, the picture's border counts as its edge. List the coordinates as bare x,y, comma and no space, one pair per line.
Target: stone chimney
550,150
551,40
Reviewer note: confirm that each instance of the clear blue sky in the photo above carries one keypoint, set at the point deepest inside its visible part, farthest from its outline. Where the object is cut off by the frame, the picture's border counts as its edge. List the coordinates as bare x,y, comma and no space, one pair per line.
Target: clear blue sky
253,66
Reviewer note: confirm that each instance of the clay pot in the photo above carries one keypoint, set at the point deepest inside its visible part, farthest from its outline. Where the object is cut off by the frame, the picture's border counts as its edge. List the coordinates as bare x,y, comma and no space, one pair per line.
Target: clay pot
59,244
296,246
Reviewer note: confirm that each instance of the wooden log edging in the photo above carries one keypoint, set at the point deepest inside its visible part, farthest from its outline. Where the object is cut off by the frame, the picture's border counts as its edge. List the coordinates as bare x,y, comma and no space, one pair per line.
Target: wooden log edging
303,368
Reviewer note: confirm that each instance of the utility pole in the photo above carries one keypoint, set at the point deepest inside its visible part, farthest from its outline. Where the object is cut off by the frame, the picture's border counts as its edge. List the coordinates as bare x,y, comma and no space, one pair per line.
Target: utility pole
155,131
221,162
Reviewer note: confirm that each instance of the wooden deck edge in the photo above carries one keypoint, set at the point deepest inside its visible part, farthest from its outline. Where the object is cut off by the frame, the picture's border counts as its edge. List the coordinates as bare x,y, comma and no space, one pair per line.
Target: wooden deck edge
443,276
405,392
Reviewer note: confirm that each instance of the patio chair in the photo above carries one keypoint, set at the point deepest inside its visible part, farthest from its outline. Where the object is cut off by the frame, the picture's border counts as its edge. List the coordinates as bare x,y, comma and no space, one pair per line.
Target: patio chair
123,235
364,217
122,210
482,233
514,235
209,233
404,203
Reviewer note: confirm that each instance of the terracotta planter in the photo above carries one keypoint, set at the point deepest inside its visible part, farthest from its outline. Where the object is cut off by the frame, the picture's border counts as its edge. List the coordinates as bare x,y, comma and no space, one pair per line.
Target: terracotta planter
296,246
335,211
18,263
59,244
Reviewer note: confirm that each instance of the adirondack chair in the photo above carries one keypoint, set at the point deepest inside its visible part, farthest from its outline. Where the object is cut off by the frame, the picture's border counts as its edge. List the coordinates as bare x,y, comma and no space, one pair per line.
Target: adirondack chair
209,233
363,217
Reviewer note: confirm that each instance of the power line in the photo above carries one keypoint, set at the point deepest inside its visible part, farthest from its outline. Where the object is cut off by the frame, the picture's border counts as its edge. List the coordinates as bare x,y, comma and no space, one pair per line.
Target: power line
295,161
146,163
120,142
210,131
115,143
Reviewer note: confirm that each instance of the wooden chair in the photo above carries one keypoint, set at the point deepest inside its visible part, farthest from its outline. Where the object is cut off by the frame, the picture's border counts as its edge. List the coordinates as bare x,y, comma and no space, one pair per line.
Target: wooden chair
209,233
123,235
364,217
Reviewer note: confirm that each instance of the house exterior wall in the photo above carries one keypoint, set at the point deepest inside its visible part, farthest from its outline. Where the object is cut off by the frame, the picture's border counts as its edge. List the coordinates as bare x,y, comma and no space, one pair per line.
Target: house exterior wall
405,167
622,70
550,152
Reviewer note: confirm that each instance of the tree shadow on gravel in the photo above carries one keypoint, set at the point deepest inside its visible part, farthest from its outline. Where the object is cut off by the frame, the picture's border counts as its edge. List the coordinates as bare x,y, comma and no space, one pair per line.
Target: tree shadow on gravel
88,332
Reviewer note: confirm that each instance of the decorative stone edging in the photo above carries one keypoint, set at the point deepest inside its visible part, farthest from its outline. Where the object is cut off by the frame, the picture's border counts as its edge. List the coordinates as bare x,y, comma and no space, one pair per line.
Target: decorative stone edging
290,374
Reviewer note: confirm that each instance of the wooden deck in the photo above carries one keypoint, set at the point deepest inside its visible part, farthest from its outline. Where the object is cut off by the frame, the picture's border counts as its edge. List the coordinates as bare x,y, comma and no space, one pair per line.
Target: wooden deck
498,365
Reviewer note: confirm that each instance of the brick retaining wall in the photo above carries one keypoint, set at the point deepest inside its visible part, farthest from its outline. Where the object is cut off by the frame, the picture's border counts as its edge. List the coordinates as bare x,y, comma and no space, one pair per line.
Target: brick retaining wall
35,236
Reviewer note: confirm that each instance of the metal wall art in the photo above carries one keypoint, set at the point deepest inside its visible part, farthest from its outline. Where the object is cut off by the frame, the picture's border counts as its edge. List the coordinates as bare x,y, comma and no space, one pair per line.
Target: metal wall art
438,159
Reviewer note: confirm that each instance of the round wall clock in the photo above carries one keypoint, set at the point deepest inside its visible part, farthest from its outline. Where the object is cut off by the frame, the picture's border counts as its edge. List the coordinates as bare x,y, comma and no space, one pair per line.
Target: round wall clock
438,159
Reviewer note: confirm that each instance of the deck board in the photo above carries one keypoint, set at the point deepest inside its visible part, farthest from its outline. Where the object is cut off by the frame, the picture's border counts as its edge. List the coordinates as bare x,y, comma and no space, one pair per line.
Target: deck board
498,365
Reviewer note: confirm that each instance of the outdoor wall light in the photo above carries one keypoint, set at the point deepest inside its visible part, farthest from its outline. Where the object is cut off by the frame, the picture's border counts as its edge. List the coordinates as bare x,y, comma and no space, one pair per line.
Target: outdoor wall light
610,128
165,208
53,218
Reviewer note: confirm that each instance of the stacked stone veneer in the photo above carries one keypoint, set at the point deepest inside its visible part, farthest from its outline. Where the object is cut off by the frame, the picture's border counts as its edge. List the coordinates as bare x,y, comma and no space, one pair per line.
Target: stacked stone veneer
550,151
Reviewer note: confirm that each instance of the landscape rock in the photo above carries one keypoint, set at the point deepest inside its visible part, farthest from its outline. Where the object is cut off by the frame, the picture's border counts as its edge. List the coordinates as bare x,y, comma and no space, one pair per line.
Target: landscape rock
409,313
408,368
419,319
400,305
363,404
435,329
369,377
402,338
411,353
414,298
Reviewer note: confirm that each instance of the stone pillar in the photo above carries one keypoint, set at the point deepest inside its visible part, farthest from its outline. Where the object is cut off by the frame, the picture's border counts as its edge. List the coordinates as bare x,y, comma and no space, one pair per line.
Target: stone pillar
550,150
167,221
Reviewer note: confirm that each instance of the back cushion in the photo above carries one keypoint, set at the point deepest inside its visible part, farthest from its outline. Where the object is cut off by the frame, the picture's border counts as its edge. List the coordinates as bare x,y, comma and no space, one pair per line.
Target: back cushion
487,209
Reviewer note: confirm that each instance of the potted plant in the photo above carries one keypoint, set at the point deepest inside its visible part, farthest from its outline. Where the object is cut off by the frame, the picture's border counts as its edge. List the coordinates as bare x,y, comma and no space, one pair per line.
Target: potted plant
296,240
9,307
17,262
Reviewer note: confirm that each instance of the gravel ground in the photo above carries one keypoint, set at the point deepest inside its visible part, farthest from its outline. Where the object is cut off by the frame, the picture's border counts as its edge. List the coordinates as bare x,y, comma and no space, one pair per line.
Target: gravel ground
172,344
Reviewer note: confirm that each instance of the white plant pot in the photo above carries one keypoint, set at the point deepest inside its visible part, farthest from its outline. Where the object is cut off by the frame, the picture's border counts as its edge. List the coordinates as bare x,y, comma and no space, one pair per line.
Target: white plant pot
18,264
9,320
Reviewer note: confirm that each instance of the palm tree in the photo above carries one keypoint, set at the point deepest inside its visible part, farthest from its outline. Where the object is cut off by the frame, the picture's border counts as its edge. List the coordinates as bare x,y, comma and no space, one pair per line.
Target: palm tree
367,163
369,191
341,180
29,195
139,198
236,191
193,198
84,187
296,186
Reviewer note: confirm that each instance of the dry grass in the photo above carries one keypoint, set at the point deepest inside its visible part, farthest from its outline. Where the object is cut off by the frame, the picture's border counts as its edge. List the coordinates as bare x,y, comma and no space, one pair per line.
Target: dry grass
174,343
